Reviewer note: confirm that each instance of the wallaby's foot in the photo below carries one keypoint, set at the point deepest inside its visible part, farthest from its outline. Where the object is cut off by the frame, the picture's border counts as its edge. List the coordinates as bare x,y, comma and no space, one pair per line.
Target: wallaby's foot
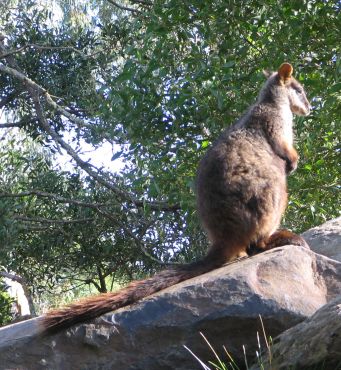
278,239
242,257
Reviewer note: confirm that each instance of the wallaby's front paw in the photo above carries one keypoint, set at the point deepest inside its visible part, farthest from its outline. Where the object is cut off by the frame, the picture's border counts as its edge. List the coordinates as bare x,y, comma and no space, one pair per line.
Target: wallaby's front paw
290,166
291,161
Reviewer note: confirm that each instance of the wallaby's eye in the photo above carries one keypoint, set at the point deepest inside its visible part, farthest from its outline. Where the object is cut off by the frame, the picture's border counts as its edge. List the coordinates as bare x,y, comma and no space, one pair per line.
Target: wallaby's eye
298,90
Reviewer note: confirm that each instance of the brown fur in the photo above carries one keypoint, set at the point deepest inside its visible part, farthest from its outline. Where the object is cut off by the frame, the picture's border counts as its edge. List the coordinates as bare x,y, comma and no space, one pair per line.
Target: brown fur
241,196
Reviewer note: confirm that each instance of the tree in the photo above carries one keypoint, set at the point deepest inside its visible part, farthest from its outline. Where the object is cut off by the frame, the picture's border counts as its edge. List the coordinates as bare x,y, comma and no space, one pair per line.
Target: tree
5,305
157,80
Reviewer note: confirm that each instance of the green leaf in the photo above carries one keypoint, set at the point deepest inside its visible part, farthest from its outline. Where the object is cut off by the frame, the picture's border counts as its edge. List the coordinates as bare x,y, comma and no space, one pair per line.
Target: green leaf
116,155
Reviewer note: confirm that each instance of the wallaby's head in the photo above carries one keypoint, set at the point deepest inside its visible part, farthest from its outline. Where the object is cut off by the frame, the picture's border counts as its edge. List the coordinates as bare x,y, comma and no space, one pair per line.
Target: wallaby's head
282,88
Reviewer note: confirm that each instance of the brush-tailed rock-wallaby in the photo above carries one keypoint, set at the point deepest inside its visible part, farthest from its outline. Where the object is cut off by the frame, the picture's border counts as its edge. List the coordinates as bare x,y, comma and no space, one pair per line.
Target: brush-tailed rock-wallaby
241,196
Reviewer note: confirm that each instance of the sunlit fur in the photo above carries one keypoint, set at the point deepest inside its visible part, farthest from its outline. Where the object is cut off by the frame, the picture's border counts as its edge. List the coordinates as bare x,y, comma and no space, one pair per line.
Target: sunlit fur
298,101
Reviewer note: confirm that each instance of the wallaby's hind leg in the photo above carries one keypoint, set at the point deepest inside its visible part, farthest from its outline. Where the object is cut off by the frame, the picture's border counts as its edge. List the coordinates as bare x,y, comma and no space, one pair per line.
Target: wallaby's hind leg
277,239
227,250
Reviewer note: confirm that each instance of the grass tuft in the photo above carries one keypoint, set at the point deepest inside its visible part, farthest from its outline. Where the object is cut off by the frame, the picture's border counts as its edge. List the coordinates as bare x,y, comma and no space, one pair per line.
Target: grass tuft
219,364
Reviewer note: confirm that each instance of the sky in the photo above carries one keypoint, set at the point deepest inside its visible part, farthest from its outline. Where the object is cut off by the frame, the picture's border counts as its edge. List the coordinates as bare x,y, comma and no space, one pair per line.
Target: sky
100,157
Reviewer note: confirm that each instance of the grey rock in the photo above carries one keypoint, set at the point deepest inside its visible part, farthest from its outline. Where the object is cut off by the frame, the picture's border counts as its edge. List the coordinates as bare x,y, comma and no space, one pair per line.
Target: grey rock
285,286
313,344
326,239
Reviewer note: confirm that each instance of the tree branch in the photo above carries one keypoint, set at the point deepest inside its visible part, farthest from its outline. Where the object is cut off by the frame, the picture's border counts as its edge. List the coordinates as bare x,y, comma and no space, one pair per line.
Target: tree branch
56,197
39,47
49,221
124,7
36,91
143,2
10,125
101,279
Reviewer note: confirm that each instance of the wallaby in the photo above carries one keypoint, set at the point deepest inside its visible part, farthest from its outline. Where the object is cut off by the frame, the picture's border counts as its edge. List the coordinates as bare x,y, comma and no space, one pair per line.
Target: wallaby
241,197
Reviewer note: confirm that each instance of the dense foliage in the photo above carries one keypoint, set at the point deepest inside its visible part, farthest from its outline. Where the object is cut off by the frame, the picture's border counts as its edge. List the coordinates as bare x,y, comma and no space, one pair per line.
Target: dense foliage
5,305
155,81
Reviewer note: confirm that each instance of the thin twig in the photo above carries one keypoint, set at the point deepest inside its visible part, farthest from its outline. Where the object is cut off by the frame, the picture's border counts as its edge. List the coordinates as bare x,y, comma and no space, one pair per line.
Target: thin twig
39,47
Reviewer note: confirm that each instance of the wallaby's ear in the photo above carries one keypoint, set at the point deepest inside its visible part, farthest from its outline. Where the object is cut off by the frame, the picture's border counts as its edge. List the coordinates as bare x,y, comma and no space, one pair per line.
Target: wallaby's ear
267,73
285,71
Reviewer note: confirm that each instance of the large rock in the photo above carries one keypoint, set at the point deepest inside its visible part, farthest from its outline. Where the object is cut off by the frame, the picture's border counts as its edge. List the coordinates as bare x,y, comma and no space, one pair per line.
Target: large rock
284,286
326,239
313,344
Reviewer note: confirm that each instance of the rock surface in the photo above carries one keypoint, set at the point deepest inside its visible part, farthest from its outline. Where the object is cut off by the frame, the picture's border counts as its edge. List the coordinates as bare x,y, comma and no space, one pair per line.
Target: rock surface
326,239
313,344
285,286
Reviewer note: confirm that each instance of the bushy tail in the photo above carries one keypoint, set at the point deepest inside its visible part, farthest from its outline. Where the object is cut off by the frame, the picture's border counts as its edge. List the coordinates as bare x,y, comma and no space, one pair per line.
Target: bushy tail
95,306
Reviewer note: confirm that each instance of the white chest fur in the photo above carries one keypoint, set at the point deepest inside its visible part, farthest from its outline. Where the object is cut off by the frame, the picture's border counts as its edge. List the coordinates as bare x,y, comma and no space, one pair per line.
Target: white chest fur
287,118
